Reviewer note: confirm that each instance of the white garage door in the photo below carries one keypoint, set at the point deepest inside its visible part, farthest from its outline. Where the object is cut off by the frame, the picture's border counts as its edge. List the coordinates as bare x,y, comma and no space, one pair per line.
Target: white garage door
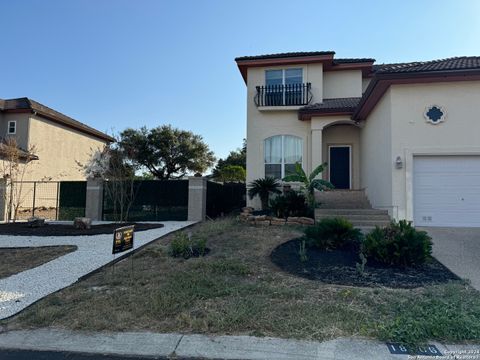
446,190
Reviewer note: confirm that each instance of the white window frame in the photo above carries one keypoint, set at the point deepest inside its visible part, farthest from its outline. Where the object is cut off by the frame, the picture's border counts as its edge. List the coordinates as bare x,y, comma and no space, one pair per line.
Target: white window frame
14,122
349,161
282,163
283,77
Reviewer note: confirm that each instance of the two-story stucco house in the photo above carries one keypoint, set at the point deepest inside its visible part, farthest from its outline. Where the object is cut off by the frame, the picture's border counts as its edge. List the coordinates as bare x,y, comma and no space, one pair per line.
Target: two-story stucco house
60,142
406,134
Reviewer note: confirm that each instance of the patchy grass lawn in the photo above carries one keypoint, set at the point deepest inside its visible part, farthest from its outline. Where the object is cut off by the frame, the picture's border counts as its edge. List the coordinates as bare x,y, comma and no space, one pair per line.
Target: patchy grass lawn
15,260
237,290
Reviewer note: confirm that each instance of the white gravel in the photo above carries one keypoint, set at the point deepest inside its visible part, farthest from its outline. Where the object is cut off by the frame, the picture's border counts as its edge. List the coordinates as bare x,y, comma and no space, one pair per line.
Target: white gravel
21,290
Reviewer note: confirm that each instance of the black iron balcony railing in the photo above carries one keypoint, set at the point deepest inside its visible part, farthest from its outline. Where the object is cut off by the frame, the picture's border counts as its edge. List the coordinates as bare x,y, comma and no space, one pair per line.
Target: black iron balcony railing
283,95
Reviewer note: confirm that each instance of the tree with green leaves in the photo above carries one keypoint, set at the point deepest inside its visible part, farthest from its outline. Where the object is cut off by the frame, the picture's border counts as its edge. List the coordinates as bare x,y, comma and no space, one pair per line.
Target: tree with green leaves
235,158
231,173
166,152
263,188
309,183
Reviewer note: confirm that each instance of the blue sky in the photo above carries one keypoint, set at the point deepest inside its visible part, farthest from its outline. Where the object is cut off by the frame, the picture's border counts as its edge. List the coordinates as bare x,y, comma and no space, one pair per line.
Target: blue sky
115,64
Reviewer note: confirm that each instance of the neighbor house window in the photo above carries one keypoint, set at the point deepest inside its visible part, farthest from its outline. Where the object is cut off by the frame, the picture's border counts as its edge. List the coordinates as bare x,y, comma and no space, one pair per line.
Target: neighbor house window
12,127
282,152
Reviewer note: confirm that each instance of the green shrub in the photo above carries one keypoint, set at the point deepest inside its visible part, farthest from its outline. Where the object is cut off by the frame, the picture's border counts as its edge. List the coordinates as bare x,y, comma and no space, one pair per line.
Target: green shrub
398,244
333,233
184,245
291,203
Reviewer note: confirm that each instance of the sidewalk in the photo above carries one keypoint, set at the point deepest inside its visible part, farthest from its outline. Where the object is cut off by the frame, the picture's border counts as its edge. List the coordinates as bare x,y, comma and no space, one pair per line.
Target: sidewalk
208,347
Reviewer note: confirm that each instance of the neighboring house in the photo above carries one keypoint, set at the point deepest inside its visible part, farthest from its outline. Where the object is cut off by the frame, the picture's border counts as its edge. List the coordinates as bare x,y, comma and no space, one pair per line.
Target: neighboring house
60,142
407,134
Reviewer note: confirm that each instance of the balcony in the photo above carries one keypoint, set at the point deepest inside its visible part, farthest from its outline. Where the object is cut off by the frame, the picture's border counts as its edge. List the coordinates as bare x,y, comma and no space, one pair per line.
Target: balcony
284,95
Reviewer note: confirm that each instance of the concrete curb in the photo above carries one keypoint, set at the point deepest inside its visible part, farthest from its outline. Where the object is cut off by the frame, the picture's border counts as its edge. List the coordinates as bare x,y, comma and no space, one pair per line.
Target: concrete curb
202,346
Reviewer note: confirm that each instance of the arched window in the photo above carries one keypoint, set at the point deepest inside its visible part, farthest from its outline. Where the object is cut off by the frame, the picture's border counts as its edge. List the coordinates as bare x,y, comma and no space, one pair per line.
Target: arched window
281,154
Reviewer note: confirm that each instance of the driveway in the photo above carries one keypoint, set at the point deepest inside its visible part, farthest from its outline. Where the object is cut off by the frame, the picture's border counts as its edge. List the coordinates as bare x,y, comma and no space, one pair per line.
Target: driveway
23,289
459,250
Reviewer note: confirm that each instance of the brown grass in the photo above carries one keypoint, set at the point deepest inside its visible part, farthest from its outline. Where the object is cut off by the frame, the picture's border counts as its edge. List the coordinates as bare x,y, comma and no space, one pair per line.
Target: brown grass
236,289
15,260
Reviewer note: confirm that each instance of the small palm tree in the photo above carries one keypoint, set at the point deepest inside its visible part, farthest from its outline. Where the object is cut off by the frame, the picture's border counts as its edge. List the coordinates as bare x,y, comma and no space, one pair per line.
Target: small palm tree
309,182
263,188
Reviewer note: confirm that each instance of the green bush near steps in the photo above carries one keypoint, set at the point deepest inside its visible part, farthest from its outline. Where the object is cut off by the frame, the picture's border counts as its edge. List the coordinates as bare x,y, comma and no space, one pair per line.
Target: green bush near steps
333,233
291,203
398,244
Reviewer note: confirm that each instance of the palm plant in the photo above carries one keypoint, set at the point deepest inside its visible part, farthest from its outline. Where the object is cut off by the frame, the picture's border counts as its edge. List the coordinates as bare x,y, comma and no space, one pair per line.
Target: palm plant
263,188
309,182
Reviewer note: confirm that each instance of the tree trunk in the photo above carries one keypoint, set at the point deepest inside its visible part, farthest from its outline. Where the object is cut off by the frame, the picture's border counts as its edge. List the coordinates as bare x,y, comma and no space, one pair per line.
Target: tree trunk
264,200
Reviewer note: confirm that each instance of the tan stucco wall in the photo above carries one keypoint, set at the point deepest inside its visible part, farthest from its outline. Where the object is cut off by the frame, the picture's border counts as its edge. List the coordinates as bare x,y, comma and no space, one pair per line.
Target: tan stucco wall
413,135
273,123
376,155
59,148
344,135
345,83
22,127
264,124
365,83
311,73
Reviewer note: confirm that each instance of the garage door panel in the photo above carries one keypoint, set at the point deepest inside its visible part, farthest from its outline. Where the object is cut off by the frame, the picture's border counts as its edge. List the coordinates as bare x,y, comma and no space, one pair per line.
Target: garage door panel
446,190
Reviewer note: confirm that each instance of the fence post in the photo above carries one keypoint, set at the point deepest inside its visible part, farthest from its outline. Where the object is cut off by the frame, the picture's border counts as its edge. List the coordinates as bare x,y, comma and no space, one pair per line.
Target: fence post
3,200
94,200
197,198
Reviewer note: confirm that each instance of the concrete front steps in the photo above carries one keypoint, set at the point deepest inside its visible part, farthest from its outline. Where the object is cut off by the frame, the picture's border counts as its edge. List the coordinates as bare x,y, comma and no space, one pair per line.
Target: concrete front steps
358,217
352,205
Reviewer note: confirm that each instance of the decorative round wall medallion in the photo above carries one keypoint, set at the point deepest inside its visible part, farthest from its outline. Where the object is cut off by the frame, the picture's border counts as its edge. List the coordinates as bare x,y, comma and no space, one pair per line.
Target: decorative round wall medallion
434,114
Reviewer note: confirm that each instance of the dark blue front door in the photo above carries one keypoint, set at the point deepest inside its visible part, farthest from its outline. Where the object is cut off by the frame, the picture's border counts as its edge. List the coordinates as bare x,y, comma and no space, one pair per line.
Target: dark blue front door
340,166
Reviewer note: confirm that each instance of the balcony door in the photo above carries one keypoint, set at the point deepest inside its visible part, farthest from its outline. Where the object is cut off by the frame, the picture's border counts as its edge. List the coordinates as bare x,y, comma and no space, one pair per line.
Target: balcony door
283,87
340,166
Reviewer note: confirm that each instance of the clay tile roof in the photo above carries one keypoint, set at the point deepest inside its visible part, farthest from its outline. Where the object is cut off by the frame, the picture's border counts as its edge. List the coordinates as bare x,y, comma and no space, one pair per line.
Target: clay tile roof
285,55
455,63
333,105
45,111
353,60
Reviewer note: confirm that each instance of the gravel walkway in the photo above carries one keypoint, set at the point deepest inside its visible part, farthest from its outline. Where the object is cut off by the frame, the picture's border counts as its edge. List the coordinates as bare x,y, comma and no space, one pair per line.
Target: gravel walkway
21,290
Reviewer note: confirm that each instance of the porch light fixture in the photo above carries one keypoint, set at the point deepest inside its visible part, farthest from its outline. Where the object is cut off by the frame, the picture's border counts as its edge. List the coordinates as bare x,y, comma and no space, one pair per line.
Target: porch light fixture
398,163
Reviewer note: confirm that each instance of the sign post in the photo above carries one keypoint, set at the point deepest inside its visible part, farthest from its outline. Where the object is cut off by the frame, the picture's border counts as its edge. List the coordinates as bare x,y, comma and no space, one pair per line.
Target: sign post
122,241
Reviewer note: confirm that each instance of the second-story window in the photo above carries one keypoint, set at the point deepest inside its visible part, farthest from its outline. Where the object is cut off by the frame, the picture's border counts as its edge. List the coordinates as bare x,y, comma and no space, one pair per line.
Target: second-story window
12,127
283,87
283,77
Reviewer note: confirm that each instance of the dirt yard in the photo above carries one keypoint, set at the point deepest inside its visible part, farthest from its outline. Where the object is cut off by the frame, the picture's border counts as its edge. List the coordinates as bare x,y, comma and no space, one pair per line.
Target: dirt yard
236,289
15,260
22,228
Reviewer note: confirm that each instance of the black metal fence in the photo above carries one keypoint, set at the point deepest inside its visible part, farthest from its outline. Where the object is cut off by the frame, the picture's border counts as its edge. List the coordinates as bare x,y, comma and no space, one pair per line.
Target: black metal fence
33,198
283,95
51,200
225,198
72,199
153,200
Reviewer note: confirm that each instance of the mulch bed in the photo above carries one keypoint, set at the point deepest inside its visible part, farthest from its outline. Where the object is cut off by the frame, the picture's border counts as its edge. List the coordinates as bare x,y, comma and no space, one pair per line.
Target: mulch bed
21,228
339,267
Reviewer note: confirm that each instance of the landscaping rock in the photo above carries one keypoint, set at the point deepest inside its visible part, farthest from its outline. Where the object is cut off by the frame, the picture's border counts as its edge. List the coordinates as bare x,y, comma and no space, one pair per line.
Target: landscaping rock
82,223
260,218
278,221
307,221
35,222
247,209
289,222
263,222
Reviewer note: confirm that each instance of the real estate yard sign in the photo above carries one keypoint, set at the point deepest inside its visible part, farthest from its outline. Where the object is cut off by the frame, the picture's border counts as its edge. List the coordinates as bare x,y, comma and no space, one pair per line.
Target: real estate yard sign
123,239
